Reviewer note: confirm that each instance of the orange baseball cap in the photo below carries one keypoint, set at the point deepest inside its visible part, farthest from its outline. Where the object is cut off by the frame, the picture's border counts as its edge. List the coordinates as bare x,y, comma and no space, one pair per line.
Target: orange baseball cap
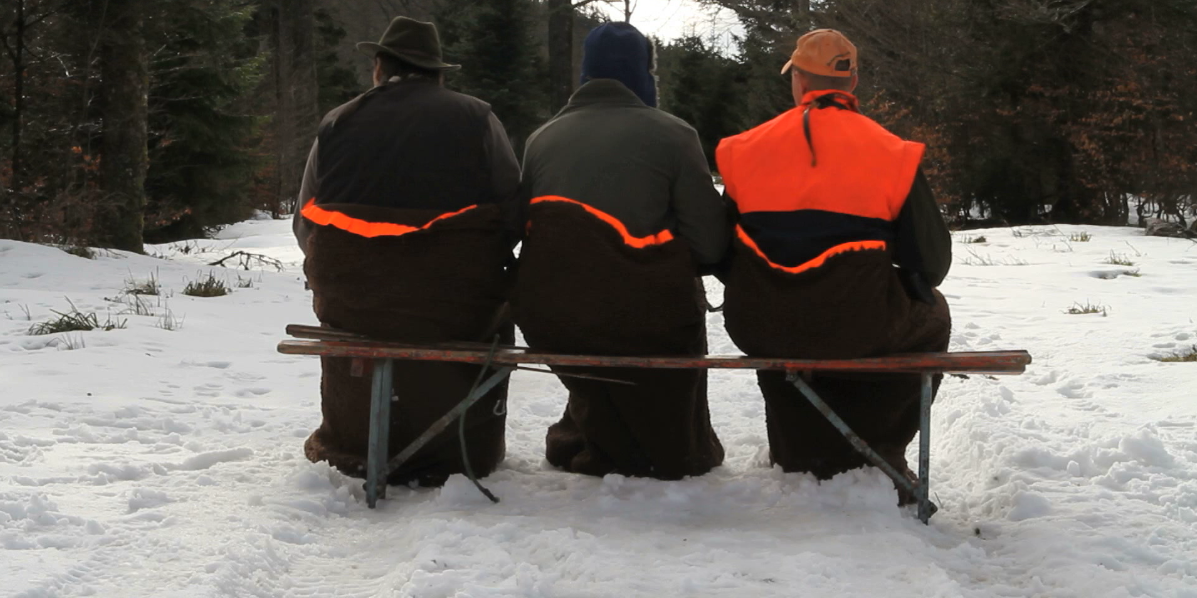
824,52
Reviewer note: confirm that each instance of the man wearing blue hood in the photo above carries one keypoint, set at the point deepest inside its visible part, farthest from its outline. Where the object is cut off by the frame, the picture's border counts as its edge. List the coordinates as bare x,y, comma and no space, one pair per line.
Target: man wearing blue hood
621,218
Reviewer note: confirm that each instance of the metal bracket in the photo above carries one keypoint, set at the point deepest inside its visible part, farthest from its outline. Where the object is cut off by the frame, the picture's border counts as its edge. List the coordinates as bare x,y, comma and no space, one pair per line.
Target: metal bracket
920,491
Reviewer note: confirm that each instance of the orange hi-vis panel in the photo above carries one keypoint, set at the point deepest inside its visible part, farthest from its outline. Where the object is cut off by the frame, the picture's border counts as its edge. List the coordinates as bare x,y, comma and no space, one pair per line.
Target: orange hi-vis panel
814,263
638,242
365,228
861,169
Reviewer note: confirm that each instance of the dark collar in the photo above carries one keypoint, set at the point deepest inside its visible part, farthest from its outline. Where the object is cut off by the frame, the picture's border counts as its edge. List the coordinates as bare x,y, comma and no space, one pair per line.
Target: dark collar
830,97
607,92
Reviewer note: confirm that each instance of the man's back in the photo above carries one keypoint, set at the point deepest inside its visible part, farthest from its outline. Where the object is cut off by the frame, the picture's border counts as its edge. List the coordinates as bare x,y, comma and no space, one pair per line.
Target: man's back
644,167
622,211
400,244
407,144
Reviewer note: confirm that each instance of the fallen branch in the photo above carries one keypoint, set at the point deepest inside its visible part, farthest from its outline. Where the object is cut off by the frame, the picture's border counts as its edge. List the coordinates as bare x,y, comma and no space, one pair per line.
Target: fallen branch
246,259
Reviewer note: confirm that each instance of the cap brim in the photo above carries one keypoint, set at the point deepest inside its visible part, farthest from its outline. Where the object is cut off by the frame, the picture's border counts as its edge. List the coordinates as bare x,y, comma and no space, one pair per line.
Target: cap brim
785,69
372,49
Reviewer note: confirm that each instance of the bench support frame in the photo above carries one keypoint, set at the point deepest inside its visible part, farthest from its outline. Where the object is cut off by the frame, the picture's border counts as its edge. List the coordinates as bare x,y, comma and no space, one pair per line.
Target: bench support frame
380,431
501,361
920,490
378,467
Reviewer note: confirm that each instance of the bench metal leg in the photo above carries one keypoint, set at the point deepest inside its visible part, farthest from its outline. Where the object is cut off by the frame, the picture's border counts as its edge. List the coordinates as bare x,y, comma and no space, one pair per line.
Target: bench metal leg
926,509
380,431
441,424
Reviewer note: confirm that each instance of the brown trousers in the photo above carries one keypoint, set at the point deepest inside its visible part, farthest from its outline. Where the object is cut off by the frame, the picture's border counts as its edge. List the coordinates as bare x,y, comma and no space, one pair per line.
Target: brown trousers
581,289
853,306
445,283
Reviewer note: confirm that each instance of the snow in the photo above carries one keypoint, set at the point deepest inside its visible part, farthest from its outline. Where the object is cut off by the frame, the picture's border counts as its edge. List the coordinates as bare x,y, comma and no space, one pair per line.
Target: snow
153,462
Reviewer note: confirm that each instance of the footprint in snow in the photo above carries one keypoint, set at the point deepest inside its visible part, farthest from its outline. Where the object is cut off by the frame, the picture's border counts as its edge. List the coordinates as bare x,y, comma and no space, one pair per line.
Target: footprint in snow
246,393
1074,390
1051,377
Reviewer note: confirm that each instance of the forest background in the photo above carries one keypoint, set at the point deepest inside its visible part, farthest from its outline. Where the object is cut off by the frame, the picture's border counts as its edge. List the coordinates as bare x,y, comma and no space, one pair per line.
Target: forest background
124,122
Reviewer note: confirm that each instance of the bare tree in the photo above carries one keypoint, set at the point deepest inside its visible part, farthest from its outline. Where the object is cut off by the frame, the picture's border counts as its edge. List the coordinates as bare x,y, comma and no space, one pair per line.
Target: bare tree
290,25
28,14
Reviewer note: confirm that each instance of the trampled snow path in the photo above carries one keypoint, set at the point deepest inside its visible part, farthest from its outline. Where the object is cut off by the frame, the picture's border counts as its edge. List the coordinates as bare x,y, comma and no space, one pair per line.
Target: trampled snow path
168,463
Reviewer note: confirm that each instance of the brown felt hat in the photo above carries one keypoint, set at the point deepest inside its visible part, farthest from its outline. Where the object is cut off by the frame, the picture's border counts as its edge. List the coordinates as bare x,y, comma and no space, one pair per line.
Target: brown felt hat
825,52
414,42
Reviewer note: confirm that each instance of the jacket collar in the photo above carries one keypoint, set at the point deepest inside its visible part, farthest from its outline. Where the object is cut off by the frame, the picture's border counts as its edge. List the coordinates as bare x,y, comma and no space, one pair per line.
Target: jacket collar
830,97
607,92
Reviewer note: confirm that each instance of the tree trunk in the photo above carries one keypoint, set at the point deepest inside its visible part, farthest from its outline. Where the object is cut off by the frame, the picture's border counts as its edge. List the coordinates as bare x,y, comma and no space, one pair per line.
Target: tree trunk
123,92
296,88
18,63
561,51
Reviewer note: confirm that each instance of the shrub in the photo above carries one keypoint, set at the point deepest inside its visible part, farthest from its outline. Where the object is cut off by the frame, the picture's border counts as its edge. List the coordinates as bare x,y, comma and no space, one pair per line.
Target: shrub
145,287
75,321
1189,355
169,321
1119,259
24,312
207,287
976,259
1087,308
80,251
67,342
1081,237
136,306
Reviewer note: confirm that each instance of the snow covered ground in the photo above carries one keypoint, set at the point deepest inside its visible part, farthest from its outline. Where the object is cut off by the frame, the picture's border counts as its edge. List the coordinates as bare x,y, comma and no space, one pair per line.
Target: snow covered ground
153,462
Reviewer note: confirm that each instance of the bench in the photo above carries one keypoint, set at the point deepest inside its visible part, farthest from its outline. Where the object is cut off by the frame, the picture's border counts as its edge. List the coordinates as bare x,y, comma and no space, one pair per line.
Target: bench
501,361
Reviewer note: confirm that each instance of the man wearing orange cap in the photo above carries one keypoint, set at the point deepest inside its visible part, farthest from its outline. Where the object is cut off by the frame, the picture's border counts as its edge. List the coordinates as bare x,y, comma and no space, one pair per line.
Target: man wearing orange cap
829,202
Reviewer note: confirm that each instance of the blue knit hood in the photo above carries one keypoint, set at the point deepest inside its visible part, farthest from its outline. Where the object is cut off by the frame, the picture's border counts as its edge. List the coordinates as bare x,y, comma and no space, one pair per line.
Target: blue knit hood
619,51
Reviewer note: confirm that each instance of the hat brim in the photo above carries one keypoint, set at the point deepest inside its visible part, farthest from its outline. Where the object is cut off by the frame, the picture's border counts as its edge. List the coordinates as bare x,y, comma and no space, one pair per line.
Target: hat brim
372,49
789,64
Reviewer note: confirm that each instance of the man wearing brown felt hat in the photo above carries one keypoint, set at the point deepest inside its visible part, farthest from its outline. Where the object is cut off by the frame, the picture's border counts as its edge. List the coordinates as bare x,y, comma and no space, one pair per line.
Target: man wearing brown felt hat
410,42
407,223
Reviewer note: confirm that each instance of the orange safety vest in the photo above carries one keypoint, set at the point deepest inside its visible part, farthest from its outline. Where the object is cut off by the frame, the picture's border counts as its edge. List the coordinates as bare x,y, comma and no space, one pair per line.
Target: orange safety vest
822,155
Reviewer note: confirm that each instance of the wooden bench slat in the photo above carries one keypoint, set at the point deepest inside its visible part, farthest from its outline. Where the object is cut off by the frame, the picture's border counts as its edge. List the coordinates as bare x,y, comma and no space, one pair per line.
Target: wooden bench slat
988,362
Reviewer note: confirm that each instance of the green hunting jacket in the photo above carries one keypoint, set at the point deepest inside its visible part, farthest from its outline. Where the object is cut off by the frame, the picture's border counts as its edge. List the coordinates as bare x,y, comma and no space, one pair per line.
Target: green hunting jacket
645,167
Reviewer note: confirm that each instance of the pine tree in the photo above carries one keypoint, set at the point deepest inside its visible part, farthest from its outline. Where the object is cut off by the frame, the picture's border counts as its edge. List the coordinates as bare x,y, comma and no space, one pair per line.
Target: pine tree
123,60
698,85
201,130
337,83
287,29
766,93
494,41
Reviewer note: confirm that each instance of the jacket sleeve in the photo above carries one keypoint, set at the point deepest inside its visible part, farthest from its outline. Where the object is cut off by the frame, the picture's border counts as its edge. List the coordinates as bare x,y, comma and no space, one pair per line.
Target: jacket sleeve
732,217
504,175
307,190
924,244
700,212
